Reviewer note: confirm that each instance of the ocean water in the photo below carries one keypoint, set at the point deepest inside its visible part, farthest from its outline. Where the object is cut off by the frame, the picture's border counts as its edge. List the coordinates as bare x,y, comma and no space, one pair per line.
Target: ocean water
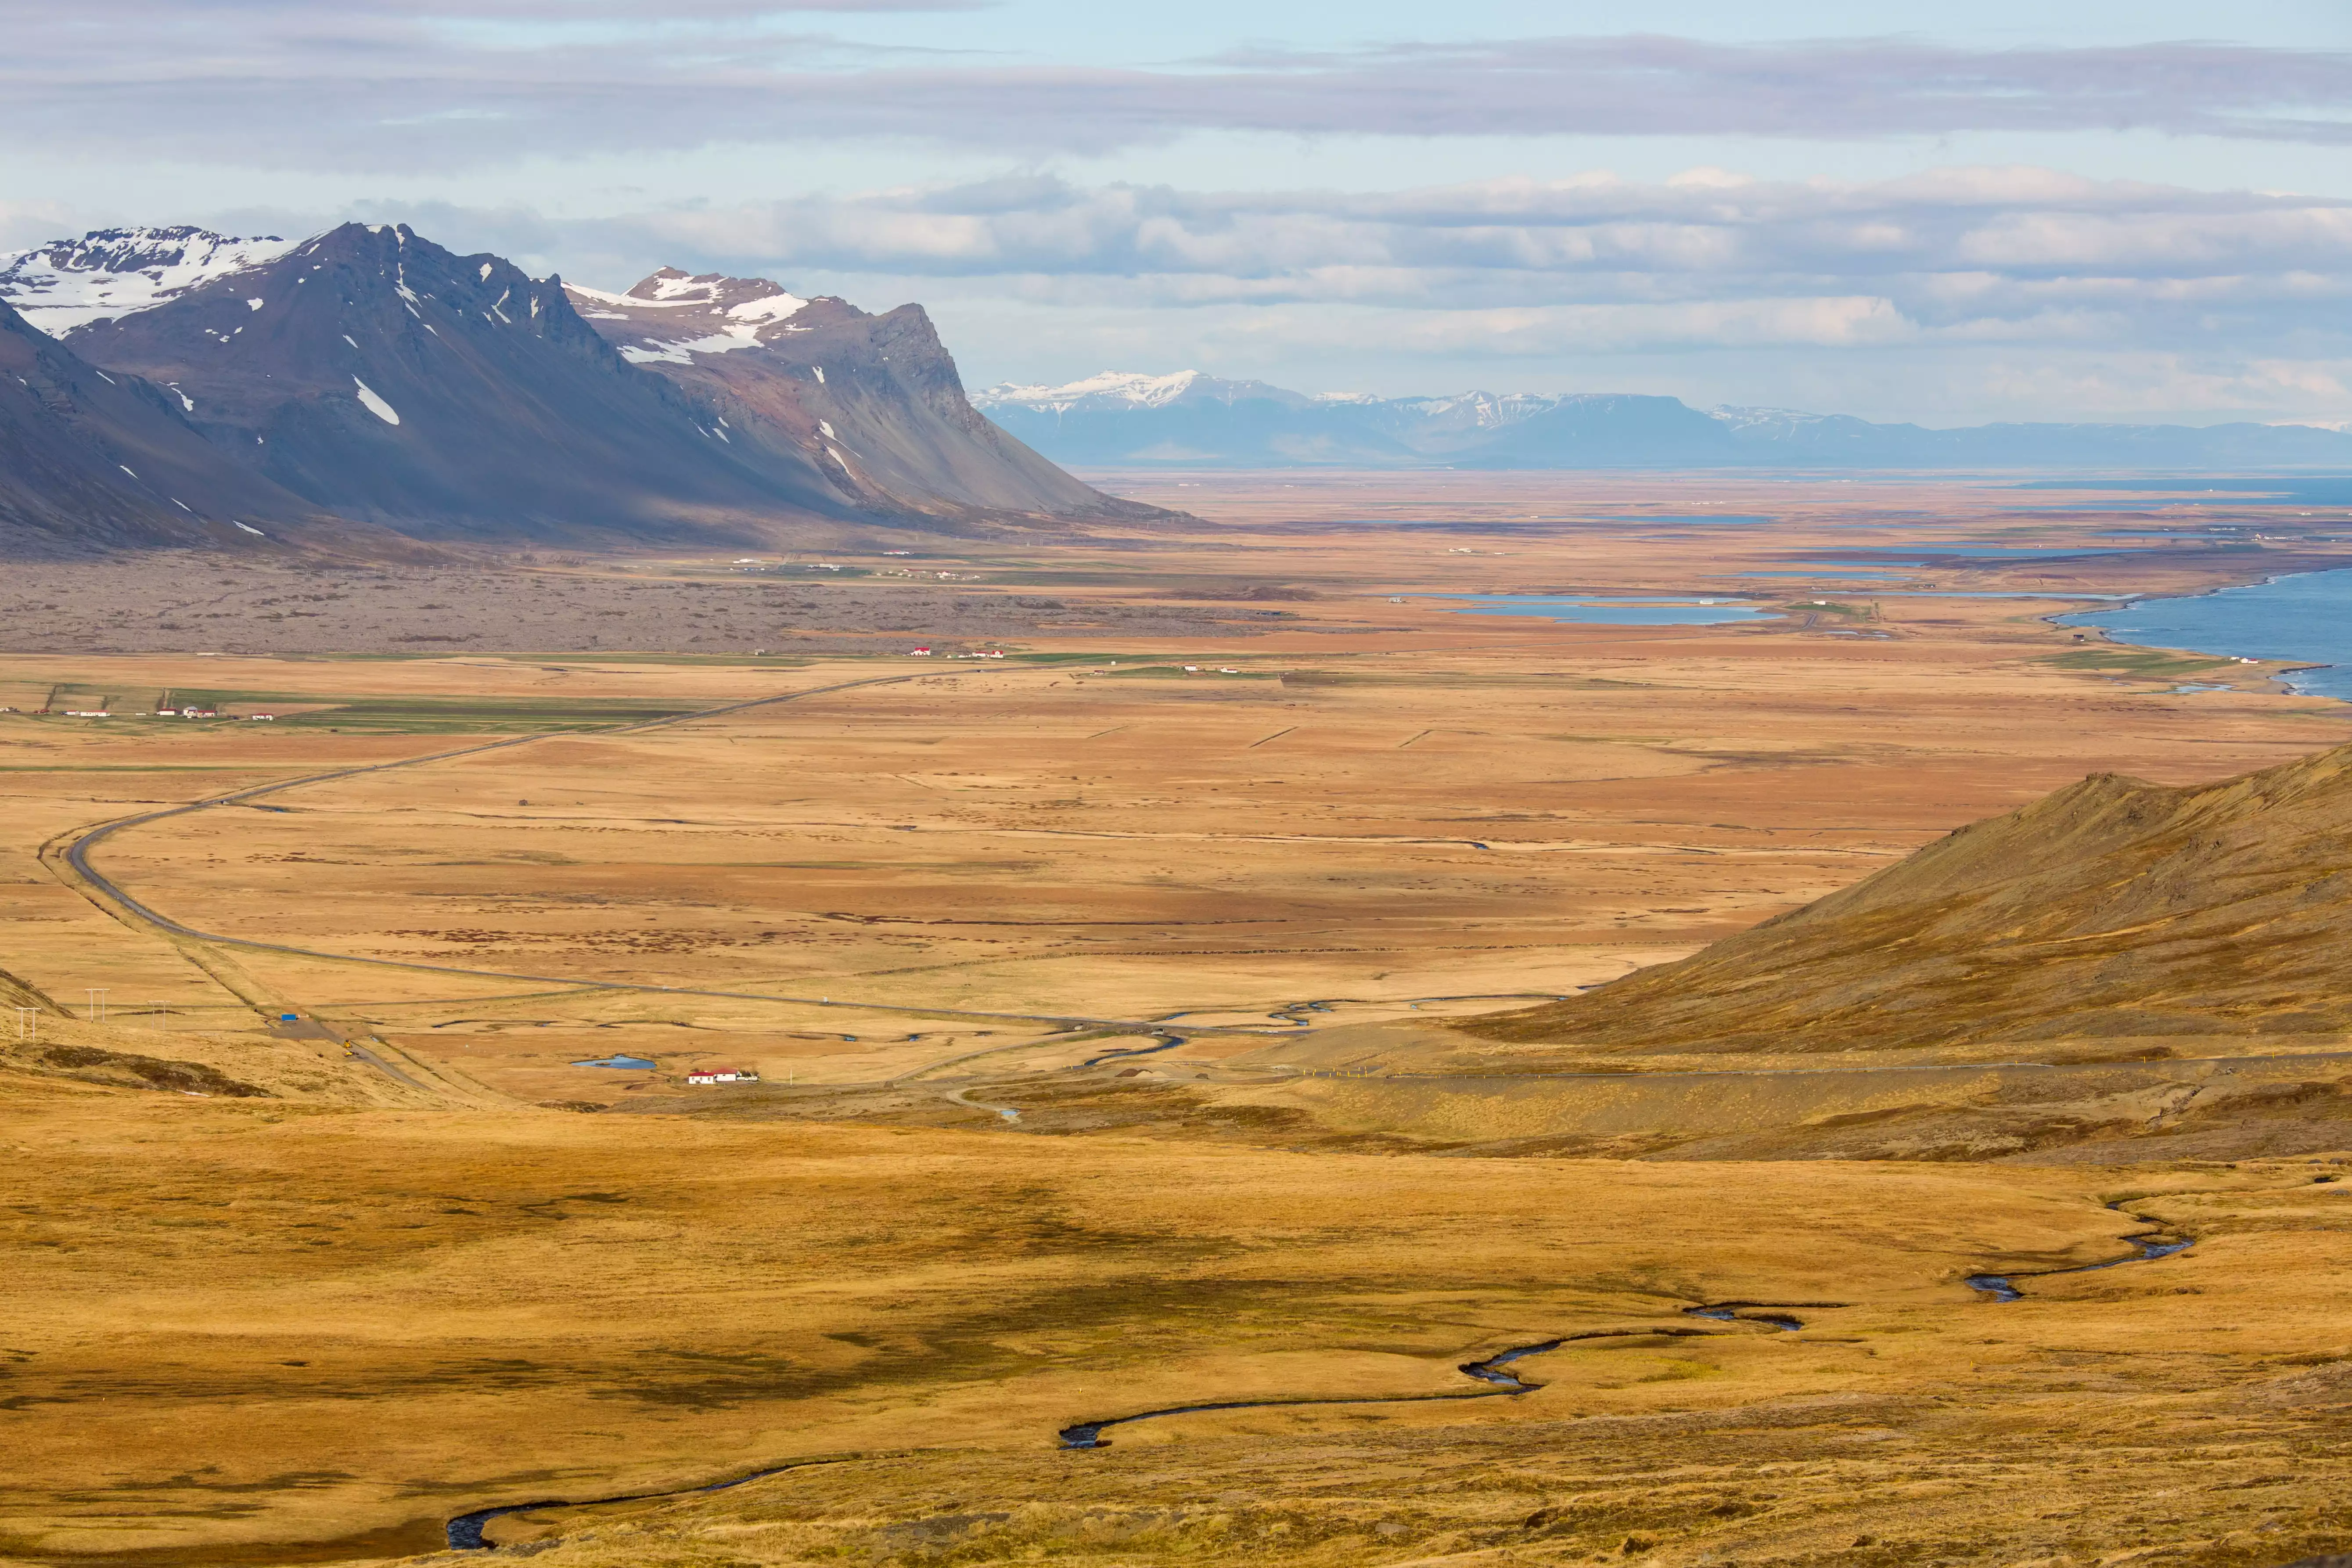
2306,618
1590,609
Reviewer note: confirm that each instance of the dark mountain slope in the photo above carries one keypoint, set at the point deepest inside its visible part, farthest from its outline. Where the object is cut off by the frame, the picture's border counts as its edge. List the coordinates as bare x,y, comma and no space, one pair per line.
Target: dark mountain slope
2115,914
375,372
90,459
819,391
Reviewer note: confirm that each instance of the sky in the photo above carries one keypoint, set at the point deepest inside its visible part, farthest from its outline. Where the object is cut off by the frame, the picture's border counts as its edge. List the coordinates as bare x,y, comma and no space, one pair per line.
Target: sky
1948,213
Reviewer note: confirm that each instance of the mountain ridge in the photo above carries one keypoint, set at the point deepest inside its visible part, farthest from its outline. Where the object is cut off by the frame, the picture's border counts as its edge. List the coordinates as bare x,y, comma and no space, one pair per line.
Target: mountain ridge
1187,418
378,377
871,405
385,378
67,284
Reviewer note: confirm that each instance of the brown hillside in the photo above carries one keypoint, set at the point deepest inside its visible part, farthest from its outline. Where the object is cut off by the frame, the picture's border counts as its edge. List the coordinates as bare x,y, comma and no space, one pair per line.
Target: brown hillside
2116,914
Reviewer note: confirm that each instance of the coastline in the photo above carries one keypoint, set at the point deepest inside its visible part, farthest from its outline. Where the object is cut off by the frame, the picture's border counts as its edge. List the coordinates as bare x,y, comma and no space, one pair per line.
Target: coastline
2286,668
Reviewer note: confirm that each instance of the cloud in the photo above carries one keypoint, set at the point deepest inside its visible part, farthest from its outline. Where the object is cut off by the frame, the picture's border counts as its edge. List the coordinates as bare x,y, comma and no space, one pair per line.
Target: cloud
1956,294
405,85
1968,253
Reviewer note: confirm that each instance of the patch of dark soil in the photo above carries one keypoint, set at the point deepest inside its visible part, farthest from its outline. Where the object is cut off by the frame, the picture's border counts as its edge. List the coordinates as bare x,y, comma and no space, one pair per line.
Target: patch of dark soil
98,1066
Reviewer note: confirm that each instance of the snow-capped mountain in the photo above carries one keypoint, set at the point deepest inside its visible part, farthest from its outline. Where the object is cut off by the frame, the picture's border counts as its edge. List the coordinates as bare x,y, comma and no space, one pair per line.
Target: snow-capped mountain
1189,419
388,379
377,376
109,272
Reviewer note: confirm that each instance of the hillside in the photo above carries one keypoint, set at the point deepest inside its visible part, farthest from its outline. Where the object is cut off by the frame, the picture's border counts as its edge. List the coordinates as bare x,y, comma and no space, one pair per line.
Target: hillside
378,374
378,377
2113,917
92,460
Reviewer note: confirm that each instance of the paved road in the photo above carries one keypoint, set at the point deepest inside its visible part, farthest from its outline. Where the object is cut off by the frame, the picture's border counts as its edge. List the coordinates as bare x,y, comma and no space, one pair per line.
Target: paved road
77,854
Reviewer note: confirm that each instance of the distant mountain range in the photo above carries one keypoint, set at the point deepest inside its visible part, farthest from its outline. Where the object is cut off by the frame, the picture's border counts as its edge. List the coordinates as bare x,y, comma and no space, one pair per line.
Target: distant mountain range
174,386
1191,420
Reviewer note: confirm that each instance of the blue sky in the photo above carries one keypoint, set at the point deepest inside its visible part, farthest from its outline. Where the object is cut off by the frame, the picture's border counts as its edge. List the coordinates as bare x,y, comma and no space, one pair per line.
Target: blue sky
2081,210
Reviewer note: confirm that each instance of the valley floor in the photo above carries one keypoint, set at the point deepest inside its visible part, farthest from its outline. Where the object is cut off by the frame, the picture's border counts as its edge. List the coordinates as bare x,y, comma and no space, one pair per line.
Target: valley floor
1084,986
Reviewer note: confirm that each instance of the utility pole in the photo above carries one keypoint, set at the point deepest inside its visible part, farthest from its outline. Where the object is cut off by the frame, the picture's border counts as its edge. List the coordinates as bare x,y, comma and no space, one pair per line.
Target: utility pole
29,1025
97,1001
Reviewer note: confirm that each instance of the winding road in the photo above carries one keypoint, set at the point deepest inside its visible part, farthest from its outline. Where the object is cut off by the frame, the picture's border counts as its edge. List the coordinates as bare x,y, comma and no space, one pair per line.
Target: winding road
127,907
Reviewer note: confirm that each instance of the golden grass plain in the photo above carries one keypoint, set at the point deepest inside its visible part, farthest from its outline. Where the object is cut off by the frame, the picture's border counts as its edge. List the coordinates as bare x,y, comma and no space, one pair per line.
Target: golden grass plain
911,901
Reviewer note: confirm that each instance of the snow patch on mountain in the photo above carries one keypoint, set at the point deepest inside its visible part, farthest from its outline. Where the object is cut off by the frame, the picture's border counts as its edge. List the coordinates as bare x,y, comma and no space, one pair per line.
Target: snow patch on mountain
677,351
580,291
709,314
774,307
375,403
111,272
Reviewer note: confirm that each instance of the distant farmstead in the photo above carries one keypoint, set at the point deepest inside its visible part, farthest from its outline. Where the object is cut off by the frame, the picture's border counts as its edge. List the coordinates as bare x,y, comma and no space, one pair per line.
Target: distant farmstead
722,1075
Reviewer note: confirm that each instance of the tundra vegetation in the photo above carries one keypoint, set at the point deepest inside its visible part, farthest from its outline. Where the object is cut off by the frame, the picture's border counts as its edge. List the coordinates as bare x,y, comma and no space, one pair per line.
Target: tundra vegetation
1266,987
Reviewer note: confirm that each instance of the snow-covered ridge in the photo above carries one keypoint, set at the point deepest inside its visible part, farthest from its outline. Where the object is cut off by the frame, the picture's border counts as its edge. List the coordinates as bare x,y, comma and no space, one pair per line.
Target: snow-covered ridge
1118,389
706,314
1484,410
109,272
1128,387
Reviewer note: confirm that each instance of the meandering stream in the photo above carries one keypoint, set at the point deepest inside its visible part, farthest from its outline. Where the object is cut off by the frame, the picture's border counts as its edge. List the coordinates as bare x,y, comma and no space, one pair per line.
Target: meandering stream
1088,1433
465,1532
2150,1245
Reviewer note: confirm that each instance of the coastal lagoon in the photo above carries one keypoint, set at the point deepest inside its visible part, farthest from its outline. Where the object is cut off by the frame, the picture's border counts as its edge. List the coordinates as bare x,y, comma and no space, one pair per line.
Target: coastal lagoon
2308,617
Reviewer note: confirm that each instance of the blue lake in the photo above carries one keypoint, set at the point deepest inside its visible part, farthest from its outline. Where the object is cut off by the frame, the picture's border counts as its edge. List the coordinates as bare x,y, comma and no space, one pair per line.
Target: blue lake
1928,555
1844,576
635,1063
2306,618
1693,517
1587,609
